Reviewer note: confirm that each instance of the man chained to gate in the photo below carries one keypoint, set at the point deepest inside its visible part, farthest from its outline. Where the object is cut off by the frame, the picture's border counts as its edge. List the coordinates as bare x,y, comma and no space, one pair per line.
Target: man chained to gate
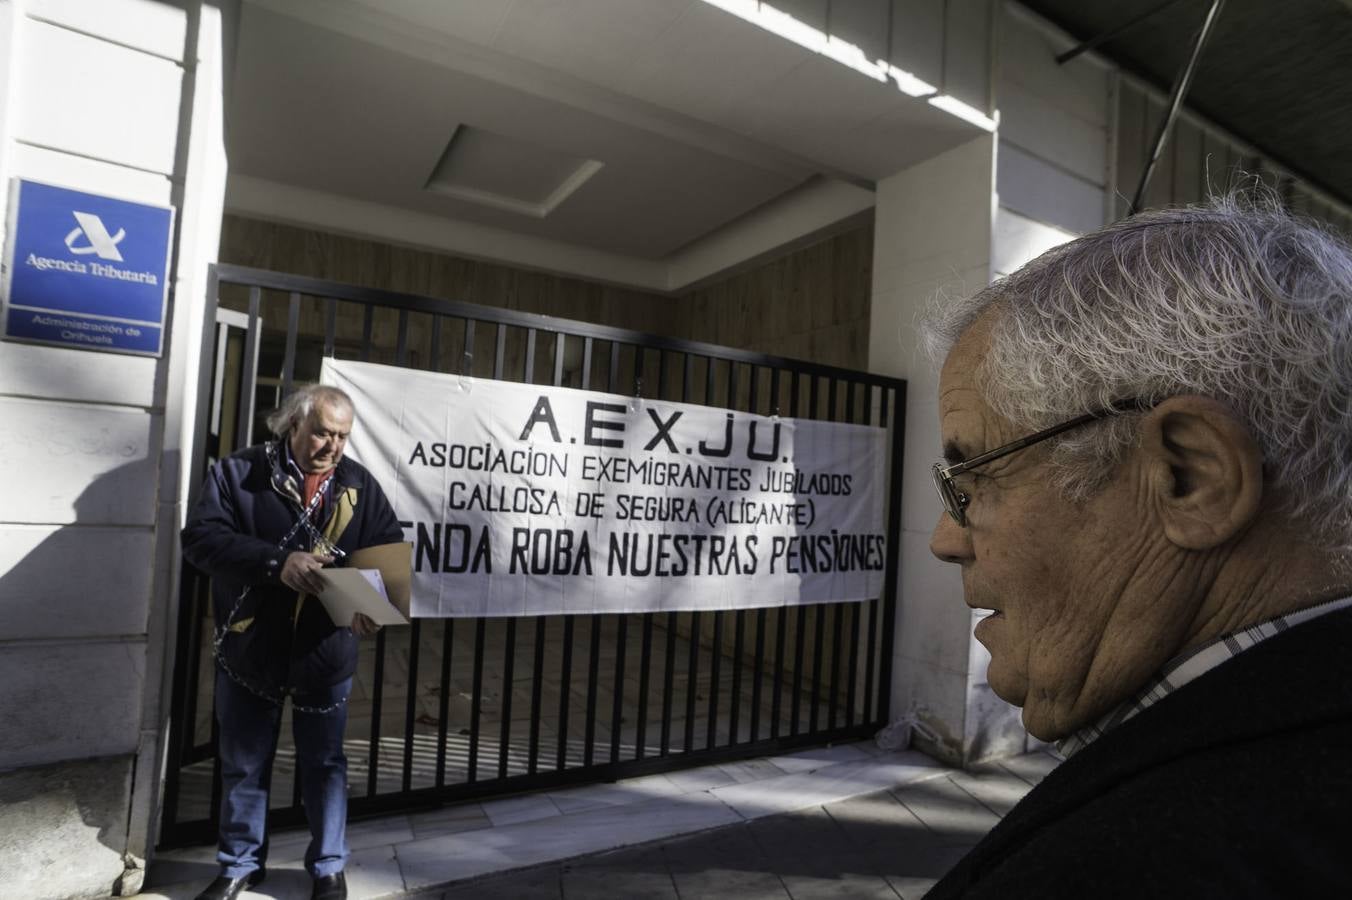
269,519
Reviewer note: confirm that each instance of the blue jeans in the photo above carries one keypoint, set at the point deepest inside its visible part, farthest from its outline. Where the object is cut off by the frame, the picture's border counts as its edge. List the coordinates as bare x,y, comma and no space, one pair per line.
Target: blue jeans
249,726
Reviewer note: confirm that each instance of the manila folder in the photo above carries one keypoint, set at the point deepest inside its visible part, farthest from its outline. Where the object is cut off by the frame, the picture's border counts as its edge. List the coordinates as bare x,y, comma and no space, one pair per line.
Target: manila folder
395,562
350,591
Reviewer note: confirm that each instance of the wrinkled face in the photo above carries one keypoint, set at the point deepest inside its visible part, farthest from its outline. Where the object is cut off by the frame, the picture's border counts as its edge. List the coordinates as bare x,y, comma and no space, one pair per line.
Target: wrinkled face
318,442
1086,605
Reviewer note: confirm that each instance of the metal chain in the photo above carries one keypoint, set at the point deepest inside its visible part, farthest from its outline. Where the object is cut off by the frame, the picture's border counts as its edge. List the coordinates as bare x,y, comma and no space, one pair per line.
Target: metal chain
319,543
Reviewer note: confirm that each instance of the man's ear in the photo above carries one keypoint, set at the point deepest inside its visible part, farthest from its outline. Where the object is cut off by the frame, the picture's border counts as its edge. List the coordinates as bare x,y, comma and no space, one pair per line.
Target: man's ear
1205,470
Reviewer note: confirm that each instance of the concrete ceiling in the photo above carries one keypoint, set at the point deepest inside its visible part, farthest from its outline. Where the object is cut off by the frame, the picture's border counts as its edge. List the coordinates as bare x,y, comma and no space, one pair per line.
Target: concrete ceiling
1278,75
695,117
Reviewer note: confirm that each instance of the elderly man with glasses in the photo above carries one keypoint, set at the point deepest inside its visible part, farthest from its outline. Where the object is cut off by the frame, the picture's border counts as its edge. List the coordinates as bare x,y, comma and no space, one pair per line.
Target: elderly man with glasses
1148,482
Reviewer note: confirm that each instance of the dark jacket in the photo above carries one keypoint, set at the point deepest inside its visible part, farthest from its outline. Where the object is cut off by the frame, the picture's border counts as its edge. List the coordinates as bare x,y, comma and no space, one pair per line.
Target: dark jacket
1238,785
248,504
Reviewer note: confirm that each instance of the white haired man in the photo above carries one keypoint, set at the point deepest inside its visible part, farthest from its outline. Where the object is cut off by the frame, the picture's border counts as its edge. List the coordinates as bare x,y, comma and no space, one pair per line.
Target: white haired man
1148,482
269,519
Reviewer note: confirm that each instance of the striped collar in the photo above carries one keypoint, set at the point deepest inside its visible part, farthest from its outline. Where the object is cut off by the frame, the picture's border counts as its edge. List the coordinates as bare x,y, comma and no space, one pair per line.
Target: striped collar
1184,668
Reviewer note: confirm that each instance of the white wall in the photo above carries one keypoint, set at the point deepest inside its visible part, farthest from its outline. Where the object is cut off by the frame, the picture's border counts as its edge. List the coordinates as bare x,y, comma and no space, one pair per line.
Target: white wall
118,97
932,233
1056,124
949,226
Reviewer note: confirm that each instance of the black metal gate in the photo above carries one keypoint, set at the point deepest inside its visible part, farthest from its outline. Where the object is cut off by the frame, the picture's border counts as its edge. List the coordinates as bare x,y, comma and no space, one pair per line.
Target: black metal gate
452,709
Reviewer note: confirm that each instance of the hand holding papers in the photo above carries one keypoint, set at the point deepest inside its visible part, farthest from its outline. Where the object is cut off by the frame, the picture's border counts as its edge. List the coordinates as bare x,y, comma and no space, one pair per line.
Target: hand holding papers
351,591
377,585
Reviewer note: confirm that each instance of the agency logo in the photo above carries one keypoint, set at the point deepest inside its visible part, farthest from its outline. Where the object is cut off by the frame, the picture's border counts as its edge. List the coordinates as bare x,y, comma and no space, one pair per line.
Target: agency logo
97,239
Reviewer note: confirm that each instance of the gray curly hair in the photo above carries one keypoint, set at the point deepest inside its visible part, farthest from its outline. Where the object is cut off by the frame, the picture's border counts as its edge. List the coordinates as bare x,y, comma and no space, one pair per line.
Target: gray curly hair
1236,300
297,406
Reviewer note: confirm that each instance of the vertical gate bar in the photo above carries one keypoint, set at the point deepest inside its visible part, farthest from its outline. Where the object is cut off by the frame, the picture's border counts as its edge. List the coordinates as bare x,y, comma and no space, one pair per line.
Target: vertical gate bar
444,713
669,673
661,375
249,390
818,640
499,351
853,668
692,682
740,624
330,325
612,381
668,685
837,634
411,702
782,614
536,694
476,700
871,642
617,705
528,375
183,732
558,359
194,617
812,397
639,361
505,704
735,702
759,669
777,691
367,331
715,663
377,690
687,377
799,639
434,351
292,328
565,685
593,672
586,363
849,401
401,339
889,614
739,631
644,664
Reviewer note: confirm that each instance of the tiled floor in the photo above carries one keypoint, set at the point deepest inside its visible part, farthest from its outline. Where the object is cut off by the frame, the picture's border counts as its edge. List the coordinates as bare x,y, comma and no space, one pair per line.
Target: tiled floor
849,820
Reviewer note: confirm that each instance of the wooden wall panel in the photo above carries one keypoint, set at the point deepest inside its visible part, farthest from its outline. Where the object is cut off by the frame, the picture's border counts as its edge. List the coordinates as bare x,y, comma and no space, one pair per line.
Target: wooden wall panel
810,304
352,260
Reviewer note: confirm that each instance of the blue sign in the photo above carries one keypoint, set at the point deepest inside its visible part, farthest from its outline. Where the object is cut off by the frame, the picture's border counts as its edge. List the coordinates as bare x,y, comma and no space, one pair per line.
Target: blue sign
84,270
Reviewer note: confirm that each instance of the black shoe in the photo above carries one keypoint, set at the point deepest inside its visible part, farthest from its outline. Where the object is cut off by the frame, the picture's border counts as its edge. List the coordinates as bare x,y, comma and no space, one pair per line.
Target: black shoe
229,888
330,887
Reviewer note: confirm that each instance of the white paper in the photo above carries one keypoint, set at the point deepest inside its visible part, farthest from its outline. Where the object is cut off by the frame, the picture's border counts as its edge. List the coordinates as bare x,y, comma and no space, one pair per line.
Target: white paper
352,591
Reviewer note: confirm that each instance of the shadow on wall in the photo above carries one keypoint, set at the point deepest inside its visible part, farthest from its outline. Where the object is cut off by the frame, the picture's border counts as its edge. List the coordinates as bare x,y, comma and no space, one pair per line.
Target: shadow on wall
74,608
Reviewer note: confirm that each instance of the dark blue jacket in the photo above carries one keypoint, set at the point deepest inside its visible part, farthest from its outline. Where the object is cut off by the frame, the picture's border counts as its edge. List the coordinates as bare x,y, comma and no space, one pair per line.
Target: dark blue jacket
248,504
1237,785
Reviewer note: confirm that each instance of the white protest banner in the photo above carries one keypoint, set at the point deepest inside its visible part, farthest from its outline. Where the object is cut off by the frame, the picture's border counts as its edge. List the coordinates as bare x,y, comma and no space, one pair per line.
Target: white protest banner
531,500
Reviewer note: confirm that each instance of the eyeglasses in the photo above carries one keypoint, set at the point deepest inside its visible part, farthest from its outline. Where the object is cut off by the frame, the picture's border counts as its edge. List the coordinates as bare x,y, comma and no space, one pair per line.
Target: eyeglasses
955,501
